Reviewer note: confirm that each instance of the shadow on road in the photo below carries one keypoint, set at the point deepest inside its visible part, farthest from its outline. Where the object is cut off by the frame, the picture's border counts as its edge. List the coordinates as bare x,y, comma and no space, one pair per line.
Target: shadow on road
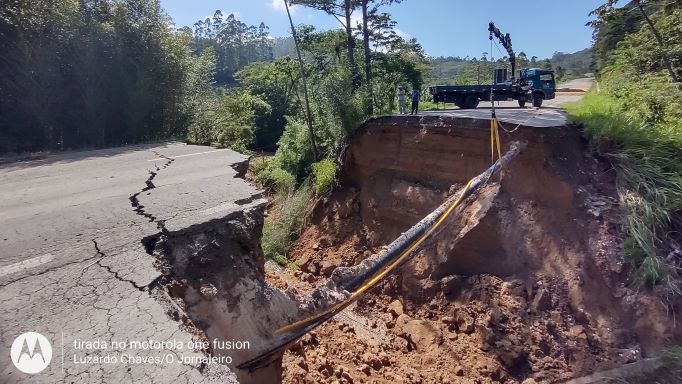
24,161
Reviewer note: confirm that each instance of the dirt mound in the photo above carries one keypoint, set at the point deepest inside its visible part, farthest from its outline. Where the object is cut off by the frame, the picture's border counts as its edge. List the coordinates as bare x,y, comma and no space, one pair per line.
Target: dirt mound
533,289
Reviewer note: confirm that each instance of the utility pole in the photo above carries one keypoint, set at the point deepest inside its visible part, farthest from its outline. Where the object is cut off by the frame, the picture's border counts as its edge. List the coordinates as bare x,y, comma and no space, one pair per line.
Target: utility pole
483,59
308,117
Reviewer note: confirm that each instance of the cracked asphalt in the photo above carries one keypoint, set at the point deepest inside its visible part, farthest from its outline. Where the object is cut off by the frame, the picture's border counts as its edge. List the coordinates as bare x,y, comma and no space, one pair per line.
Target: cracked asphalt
73,265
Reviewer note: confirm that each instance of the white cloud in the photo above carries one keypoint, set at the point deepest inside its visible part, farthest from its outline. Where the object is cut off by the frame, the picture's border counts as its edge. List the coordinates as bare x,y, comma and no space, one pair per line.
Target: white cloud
278,5
402,33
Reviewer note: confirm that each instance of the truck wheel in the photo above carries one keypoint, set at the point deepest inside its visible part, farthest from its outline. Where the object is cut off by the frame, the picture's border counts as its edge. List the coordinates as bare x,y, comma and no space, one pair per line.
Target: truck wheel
522,102
537,100
471,102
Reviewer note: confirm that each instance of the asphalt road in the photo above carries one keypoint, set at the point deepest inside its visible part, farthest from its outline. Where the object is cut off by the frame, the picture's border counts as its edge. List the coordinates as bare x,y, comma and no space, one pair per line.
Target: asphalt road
72,263
549,115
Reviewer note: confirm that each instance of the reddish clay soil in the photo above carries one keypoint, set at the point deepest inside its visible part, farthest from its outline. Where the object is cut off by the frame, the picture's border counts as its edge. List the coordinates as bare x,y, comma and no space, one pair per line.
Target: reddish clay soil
526,285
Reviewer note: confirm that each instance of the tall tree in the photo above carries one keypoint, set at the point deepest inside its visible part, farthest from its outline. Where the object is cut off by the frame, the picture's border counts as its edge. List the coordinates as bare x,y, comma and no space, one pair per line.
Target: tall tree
342,10
308,116
606,12
370,15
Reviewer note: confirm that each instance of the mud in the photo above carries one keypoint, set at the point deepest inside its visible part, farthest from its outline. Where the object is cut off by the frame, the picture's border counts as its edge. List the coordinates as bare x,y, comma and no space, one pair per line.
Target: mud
527,285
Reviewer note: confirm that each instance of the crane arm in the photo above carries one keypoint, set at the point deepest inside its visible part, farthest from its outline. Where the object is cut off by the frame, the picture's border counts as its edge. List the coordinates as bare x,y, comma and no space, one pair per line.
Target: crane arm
506,43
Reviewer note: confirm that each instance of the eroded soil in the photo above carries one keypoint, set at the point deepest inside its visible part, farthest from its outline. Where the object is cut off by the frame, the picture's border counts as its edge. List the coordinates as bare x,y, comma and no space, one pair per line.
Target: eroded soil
526,285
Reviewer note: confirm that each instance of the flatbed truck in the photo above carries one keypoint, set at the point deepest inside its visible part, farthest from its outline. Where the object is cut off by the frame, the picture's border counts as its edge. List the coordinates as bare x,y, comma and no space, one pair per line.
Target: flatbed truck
533,85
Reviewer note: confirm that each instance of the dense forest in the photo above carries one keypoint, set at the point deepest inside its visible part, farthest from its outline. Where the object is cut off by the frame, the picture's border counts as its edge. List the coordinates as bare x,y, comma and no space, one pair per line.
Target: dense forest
95,73
634,119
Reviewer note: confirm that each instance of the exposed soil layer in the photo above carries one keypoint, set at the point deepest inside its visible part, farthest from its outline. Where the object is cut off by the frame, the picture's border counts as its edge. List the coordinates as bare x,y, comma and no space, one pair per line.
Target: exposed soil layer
533,289
214,274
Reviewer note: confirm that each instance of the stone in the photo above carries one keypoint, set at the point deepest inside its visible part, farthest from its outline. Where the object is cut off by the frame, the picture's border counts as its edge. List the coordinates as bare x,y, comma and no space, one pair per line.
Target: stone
459,371
542,301
424,334
464,322
366,369
396,308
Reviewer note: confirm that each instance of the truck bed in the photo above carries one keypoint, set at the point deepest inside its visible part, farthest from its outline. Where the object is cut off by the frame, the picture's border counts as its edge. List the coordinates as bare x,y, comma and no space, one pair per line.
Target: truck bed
473,88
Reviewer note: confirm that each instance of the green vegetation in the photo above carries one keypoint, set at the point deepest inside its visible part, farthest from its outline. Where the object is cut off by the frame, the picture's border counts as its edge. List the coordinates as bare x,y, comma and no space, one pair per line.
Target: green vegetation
340,99
284,221
636,122
324,174
672,356
96,73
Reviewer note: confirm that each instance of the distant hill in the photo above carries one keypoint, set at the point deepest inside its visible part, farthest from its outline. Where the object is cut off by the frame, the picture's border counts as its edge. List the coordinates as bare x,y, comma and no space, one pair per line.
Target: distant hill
572,65
457,70
283,46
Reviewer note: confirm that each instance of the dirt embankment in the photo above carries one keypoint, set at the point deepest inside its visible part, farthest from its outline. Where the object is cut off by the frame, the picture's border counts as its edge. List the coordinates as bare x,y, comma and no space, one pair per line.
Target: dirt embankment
533,289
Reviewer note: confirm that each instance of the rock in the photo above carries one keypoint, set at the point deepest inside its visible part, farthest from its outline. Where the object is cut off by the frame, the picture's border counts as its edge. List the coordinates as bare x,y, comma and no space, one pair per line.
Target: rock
464,322
424,334
529,381
400,322
327,267
497,316
578,332
385,359
542,301
512,356
346,376
366,369
396,308
459,371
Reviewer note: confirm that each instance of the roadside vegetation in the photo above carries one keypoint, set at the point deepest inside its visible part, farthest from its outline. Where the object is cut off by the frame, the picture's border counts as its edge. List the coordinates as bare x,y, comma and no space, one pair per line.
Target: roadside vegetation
635,120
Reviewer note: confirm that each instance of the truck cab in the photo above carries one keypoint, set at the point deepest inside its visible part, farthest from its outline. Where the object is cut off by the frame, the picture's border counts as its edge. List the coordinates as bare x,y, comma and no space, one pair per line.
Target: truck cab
541,82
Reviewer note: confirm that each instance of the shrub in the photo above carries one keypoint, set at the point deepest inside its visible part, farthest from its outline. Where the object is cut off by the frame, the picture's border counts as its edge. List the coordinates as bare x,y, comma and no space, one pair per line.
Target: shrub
284,222
324,173
227,120
281,180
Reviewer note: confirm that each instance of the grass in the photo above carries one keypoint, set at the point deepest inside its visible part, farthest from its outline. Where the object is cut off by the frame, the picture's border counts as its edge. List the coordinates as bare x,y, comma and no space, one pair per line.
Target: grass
648,161
285,220
672,356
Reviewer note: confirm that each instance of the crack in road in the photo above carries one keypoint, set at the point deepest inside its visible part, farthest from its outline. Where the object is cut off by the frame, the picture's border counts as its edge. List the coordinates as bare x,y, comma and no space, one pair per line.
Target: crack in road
149,184
114,273
139,209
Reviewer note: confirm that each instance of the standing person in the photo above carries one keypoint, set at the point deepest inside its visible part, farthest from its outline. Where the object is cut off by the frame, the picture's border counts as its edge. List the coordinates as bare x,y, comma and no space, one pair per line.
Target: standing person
401,100
415,101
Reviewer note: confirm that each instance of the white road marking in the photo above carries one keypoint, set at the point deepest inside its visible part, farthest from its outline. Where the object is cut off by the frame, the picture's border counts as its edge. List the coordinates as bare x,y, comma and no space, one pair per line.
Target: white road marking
26,264
220,208
192,154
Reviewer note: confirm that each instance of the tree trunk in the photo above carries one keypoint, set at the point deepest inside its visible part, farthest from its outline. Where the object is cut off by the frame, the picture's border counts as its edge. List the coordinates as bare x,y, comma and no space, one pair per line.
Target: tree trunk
659,38
348,9
368,57
308,117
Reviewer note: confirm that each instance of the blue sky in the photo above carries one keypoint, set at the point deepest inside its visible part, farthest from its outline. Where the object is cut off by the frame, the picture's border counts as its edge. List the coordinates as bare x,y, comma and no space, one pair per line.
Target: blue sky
443,27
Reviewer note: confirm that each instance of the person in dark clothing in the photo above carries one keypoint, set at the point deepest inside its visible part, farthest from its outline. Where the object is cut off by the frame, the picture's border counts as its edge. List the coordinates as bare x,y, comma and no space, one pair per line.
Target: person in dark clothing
415,101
